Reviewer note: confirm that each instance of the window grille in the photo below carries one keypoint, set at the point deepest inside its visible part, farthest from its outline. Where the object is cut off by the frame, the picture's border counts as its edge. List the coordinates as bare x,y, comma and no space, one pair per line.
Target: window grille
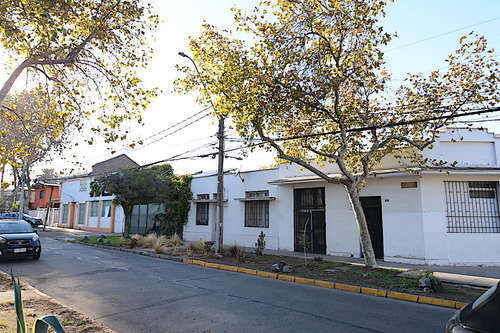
472,207
202,209
257,213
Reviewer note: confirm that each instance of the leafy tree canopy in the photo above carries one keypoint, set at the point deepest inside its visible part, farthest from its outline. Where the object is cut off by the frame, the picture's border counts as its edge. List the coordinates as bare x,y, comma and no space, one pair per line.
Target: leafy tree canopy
156,184
310,81
83,55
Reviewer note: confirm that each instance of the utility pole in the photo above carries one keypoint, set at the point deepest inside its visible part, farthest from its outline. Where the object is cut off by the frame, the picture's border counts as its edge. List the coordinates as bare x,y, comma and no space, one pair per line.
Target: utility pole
220,173
21,197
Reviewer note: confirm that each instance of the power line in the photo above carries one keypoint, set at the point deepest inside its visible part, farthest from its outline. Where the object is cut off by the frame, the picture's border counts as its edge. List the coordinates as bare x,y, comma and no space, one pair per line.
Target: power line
441,35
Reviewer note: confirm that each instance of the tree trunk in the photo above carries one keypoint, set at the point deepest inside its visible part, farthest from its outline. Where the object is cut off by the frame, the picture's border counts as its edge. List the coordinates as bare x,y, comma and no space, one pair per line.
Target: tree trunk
364,234
128,217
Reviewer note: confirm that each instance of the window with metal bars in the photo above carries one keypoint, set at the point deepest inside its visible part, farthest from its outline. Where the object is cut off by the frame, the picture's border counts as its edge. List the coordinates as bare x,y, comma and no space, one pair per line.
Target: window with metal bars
472,207
257,211
202,209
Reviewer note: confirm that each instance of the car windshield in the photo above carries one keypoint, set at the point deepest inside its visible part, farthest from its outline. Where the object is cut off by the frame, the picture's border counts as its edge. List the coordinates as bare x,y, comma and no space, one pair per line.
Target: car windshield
14,228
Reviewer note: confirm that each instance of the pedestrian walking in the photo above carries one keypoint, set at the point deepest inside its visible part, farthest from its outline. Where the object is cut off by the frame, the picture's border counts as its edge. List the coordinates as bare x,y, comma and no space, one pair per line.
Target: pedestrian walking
156,226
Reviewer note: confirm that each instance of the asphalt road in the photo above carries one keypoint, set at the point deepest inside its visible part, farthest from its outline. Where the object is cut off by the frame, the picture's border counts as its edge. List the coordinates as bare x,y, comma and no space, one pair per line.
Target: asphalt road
131,293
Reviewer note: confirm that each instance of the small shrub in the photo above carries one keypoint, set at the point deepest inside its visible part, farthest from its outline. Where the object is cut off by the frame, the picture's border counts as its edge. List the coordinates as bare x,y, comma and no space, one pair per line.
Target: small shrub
234,250
260,245
197,245
189,253
122,241
137,240
237,252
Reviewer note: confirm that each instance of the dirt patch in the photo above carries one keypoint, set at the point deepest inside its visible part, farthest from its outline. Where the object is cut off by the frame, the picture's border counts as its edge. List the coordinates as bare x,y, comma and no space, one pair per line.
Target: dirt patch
37,305
356,275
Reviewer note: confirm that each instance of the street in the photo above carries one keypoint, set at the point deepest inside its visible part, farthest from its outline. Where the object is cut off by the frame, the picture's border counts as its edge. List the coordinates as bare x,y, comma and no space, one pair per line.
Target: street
132,293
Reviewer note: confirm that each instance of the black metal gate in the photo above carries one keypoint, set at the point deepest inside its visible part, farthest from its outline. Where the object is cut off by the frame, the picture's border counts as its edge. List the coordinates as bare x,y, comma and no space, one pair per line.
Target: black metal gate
372,206
310,223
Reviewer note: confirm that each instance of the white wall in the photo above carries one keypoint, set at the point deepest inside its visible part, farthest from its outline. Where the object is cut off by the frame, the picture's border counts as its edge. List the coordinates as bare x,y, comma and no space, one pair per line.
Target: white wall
414,219
71,192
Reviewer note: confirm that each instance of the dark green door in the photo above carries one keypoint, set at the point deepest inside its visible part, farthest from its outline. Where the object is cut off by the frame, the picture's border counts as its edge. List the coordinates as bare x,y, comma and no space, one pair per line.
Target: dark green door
310,223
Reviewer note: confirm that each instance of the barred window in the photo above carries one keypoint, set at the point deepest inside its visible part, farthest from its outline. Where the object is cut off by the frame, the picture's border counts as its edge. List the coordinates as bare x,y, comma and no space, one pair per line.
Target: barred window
472,207
94,208
202,209
257,211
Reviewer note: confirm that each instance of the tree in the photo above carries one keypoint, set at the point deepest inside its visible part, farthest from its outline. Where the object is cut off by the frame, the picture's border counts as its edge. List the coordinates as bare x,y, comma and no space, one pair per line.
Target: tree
80,53
30,130
156,184
310,82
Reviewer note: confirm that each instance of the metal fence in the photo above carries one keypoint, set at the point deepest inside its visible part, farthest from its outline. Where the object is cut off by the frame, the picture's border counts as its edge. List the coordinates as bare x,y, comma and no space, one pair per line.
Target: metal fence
53,218
472,207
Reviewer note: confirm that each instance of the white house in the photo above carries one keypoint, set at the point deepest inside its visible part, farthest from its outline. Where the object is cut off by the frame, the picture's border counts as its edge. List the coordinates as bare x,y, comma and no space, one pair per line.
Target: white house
447,216
80,210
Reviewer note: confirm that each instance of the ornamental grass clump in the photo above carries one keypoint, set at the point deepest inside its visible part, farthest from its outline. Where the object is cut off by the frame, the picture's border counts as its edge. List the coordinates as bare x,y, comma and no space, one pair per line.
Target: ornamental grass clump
149,241
197,245
160,245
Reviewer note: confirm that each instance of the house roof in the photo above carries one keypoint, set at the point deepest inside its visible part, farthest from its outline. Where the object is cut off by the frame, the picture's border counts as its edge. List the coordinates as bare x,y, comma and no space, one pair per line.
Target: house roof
390,172
113,164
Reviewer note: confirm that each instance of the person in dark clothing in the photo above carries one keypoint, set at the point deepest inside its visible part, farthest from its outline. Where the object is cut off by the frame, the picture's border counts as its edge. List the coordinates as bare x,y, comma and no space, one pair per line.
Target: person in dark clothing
156,225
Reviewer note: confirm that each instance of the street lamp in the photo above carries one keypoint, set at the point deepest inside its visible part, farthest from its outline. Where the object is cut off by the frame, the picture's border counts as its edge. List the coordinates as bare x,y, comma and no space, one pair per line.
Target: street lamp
220,171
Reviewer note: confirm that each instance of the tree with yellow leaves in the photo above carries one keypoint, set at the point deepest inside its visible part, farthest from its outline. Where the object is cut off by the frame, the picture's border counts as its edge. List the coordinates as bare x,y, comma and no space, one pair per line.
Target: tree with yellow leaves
310,82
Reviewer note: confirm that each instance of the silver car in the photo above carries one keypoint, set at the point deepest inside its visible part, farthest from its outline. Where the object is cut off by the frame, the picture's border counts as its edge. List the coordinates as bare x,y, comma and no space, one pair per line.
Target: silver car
481,316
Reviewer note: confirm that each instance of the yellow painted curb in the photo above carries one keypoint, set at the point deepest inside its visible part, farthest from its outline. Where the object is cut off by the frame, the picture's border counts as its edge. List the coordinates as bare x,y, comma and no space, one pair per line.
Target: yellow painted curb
286,278
436,301
228,268
247,271
347,287
267,274
324,284
304,280
374,292
332,285
401,296
198,262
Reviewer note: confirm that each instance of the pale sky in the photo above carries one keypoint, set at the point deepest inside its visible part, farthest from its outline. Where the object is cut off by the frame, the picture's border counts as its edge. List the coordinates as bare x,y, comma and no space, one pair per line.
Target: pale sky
427,31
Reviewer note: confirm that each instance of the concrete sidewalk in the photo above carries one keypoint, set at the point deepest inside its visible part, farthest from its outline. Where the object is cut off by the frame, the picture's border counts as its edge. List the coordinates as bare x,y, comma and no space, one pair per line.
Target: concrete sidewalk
479,276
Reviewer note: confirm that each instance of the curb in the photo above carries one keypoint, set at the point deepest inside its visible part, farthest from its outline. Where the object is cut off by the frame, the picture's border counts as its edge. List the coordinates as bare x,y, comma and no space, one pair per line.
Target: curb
295,279
333,285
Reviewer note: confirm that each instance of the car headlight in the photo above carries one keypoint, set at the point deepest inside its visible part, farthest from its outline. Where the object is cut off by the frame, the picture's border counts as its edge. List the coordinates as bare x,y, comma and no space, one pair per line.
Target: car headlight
3,240
35,238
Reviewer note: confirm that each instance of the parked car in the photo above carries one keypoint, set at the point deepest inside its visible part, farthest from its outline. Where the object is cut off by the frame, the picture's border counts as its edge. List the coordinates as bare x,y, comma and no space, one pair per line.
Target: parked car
481,316
18,240
34,221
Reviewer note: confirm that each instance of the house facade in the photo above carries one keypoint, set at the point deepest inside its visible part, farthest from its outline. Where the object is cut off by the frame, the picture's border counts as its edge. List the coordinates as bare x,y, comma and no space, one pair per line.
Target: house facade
80,210
447,216
42,195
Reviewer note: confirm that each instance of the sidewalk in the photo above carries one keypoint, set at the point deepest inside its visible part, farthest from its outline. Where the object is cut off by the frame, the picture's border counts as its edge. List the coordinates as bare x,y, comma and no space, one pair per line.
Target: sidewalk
479,276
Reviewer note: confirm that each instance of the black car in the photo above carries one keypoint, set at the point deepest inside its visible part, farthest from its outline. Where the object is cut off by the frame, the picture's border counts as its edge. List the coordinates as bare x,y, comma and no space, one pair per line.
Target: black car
34,221
481,316
18,240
